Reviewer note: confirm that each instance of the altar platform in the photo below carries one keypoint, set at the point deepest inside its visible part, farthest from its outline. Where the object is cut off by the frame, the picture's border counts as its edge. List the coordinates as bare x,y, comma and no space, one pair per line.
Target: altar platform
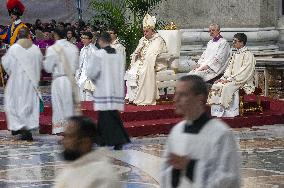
159,119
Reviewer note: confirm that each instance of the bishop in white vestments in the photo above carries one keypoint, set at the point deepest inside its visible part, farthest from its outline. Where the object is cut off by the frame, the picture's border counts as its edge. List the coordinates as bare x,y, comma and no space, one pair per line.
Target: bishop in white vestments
200,152
213,60
61,87
224,95
141,77
23,63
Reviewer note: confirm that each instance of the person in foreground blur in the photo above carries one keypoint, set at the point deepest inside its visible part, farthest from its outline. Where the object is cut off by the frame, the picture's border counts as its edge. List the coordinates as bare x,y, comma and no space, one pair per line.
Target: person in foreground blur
200,152
106,70
23,63
87,168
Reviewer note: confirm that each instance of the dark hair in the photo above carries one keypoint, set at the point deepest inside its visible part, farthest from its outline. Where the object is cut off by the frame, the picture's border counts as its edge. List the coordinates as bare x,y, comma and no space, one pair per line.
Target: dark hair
23,33
15,11
86,127
60,32
198,85
88,34
241,37
105,36
112,29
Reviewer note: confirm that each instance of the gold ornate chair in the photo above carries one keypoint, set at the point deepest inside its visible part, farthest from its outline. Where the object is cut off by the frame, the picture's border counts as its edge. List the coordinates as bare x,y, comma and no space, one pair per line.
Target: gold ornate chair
257,107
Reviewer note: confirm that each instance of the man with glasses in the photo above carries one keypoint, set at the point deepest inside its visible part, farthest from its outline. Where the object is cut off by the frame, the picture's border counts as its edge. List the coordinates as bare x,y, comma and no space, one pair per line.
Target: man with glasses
224,94
85,85
213,60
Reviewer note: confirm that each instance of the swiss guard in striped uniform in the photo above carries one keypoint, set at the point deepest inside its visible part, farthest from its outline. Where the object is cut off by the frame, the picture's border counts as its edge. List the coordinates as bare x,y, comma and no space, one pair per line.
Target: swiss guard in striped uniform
16,10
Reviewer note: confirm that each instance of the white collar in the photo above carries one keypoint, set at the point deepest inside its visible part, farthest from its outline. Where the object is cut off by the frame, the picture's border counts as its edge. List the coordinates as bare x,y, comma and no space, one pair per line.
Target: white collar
17,21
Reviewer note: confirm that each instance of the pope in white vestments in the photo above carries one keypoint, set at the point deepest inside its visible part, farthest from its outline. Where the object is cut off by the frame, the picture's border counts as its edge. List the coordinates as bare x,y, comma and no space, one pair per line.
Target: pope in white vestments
200,152
213,60
61,87
85,85
23,63
224,95
141,77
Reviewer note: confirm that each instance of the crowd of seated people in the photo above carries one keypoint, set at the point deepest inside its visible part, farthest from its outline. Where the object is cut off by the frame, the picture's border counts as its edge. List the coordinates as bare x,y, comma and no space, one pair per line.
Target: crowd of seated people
42,32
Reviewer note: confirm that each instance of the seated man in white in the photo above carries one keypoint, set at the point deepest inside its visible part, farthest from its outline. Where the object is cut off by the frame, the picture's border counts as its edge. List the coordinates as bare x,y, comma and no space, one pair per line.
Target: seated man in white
213,60
224,94
141,77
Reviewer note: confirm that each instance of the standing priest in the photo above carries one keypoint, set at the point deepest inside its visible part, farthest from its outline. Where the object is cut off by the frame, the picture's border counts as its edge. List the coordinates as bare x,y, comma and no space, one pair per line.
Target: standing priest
22,63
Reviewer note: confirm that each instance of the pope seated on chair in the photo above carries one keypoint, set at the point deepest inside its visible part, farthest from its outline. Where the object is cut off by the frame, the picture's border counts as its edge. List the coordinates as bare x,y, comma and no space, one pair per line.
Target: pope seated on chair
213,60
224,94
141,77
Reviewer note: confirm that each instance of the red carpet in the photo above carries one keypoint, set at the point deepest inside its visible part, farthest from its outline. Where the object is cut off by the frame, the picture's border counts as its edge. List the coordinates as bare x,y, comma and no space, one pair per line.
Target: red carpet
159,119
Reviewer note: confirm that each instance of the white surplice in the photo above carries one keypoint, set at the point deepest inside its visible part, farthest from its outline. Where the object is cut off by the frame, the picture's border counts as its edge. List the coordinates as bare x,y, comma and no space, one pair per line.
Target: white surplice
240,74
23,65
216,153
92,170
118,47
86,94
107,72
141,77
61,87
216,57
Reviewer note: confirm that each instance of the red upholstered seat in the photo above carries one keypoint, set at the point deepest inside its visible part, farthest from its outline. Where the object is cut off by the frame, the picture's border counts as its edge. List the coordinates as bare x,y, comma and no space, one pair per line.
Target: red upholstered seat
257,107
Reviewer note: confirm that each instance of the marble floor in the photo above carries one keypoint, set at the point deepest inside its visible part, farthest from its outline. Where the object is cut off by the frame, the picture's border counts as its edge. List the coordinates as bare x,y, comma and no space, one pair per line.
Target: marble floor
34,164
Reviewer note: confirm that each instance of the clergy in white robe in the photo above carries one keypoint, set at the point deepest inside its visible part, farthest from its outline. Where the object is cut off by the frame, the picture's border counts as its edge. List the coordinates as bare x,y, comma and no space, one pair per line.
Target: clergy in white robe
61,87
141,77
22,62
106,70
87,168
200,152
213,60
85,85
224,96
115,43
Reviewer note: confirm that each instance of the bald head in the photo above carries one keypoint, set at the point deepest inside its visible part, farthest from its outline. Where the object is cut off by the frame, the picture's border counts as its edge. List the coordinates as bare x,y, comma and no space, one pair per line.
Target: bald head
23,33
216,26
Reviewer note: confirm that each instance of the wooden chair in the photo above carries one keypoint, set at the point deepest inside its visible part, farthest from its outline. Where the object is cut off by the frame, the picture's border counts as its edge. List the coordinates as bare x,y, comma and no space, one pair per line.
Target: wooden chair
257,107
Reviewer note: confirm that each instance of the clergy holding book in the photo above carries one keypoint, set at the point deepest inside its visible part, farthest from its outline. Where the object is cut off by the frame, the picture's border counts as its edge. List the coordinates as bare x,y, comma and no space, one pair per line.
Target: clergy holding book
200,152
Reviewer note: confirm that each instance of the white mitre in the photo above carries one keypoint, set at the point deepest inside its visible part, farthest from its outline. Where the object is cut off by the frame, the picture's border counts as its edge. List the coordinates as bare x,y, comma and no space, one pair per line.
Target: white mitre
149,21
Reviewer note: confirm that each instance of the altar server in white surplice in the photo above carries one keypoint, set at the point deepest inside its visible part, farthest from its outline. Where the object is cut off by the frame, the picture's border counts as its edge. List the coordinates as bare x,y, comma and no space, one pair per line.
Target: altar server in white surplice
141,77
22,62
106,70
224,94
200,152
60,57
86,86
213,60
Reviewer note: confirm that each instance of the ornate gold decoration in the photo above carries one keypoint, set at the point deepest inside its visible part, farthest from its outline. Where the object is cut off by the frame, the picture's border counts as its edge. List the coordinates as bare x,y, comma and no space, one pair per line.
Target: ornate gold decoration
171,26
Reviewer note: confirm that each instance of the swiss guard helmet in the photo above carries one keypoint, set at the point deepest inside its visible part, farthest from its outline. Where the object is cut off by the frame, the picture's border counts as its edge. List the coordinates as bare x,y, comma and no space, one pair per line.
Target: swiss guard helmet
15,7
